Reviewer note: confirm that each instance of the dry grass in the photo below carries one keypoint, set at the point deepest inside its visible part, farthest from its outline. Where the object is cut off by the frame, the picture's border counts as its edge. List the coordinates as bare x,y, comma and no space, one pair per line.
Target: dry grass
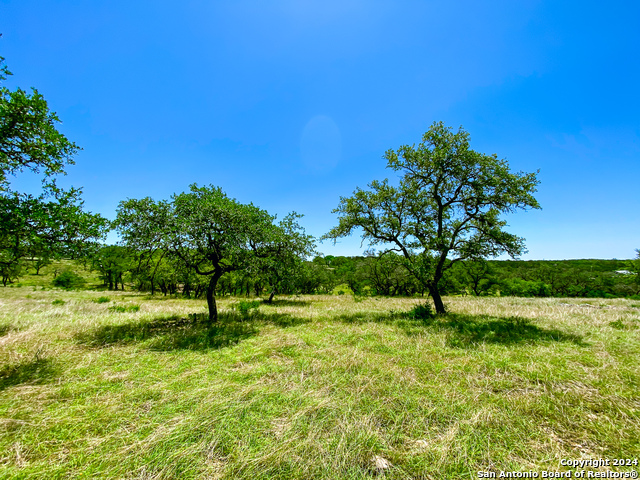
312,387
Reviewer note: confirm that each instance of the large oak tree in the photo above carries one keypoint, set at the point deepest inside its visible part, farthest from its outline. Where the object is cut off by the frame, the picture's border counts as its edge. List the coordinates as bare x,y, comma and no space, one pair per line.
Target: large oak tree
446,207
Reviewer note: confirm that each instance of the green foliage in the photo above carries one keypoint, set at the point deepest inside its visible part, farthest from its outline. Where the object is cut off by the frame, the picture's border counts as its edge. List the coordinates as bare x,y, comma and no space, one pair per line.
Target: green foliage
620,325
247,308
28,136
112,261
445,209
47,225
10,266
211,235
280,263
124,308
68,280
342,290
422,311
57,302
102,300
524,288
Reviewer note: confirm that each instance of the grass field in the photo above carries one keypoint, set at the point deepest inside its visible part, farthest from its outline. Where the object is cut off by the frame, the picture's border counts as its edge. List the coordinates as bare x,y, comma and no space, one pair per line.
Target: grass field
122,385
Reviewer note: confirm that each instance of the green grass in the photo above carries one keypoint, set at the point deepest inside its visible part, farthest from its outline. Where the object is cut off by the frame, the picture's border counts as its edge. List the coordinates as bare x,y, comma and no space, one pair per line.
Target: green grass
29,278
311,387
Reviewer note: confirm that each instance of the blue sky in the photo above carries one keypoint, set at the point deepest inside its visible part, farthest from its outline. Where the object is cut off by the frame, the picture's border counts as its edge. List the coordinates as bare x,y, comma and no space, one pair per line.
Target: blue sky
291,104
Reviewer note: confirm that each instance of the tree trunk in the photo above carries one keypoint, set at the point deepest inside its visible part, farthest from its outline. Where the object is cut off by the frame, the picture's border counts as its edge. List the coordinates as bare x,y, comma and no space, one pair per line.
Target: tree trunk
437,299
211,300
271,295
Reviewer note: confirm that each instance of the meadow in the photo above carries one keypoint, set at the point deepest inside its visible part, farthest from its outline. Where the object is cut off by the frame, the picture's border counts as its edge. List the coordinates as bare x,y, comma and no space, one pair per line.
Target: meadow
102,384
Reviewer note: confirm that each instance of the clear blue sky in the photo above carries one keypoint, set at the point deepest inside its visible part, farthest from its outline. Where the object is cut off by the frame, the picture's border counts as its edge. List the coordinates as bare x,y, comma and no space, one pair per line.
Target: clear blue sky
291,104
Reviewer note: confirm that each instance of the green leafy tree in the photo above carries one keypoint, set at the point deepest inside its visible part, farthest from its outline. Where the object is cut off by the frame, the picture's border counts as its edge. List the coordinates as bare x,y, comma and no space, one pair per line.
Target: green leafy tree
388,275
206,230
141,225
28,135
46,225
478,272
52,225
113,261
282,260
634,266
445,209
68,280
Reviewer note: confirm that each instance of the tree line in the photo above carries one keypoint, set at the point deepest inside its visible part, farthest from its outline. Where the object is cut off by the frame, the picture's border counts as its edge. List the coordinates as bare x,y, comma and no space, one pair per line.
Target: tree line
374,274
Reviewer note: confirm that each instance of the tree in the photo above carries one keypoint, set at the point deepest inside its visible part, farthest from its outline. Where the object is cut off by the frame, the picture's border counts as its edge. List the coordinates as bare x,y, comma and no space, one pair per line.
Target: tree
445,209
112,261
206,230
477,272
28,136
52,223
49,224
282,261
634,266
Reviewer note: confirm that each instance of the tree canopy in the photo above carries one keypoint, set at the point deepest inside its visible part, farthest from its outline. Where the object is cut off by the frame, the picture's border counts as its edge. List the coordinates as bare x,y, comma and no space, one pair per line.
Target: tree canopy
446,208
212,234
28,135
52,223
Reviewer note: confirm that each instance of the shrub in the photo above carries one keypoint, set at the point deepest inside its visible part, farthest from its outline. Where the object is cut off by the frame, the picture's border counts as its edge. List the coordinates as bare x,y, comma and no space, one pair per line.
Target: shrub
102,300
422,311
124,308
68,280
247,309
57,302
342,290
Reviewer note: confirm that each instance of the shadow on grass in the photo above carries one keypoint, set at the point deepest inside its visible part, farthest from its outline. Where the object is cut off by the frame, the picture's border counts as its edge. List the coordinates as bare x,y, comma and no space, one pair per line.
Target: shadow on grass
284,302
469,330
179,333
172,333
36,371
466,331
4,329
283,320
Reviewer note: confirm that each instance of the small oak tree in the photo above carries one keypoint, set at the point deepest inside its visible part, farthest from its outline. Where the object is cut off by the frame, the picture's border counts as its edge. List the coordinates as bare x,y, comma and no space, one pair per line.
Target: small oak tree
445,209
281,261
209,233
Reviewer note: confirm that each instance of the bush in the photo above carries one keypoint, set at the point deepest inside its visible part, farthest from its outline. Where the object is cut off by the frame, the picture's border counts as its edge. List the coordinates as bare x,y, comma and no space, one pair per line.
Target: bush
422,311
102,300
57,302
342,290
247,309
123,308
68,280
